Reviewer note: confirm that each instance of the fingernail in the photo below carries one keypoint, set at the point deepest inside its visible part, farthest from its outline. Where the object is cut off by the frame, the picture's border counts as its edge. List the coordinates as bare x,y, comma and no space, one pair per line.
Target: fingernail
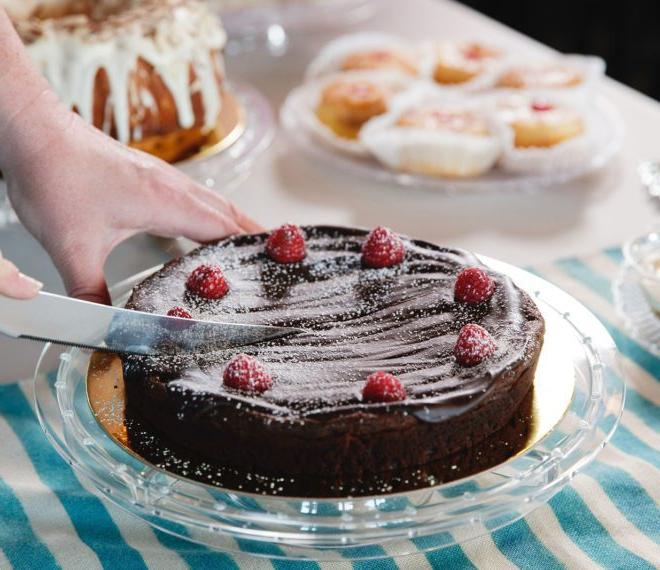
30,283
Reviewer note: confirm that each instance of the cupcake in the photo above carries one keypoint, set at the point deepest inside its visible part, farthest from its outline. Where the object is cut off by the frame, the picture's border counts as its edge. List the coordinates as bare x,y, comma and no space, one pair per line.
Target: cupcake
429,134
347,103
335,108
460,63
367,51
538,122
550,75
545,133
564,73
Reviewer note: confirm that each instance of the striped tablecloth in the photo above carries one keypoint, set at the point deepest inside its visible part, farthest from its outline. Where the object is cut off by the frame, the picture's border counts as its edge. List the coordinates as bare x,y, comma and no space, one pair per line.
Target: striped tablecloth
607,517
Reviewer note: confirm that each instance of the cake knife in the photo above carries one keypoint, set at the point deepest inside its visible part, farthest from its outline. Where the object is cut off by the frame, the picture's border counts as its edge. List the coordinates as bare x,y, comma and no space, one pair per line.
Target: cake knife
63,320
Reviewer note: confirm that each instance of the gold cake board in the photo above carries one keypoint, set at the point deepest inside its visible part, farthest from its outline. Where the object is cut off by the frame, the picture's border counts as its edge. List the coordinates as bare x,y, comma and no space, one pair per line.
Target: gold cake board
553,388
231,125
184,144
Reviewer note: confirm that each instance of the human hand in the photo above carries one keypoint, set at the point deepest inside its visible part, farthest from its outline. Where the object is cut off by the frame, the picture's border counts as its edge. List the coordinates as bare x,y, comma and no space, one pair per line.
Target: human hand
14,284
80,193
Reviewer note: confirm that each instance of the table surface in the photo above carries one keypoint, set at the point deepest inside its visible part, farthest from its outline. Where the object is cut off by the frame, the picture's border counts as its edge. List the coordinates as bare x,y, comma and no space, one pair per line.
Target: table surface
602,209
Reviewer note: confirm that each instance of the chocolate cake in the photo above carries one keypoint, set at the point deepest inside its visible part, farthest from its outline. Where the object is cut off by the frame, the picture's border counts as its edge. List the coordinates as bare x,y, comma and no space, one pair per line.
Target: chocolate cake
313,420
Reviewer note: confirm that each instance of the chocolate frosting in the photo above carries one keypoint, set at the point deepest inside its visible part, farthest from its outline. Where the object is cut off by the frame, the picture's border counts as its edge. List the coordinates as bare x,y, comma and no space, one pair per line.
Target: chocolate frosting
402,320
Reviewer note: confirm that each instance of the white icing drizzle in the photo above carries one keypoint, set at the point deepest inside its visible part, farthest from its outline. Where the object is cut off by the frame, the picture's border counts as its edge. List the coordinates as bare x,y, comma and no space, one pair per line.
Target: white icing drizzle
170,35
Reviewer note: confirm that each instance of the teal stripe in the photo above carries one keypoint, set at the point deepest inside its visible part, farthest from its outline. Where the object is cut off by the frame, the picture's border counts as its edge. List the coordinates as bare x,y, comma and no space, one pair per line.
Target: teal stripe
459,489
628,442
629,498
586,532
20,545
88,515
440,555
252,546
625,440
644,409
634,351
647,412
521,546
369,552
244,503
255,547
264,549
615,254
388,505
193,554
581,272
294,564
603,287
450,557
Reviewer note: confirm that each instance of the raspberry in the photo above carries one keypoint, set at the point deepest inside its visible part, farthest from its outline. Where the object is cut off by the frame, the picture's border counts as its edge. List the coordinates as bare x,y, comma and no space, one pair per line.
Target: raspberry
474,345
182,314
473,286
208,282
286,244
541,106
383,387
383,248
246,373
473,51
179,312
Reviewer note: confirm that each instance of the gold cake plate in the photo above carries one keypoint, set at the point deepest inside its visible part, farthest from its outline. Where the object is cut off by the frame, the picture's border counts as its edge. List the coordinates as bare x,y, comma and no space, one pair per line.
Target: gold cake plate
231,126
246,128
551,395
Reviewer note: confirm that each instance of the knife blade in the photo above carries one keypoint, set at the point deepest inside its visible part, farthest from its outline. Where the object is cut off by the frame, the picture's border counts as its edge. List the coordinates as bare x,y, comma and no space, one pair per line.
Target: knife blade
63,320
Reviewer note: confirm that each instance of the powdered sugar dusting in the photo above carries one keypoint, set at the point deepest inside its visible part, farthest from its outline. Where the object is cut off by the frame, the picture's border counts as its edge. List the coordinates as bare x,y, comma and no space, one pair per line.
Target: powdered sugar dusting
401,319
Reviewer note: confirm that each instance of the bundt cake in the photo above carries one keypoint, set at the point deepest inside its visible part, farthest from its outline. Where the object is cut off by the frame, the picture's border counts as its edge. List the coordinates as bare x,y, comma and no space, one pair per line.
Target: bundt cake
149,73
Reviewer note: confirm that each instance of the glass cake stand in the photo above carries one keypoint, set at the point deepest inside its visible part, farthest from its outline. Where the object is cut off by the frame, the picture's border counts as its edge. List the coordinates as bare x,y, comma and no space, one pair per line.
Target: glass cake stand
608,134
326,529
225,165
249,24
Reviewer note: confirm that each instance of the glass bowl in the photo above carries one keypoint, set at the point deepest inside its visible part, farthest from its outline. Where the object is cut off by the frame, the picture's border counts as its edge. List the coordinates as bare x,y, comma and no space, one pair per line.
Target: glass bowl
642,255
241,19
223,171
608,132
637,290
345,528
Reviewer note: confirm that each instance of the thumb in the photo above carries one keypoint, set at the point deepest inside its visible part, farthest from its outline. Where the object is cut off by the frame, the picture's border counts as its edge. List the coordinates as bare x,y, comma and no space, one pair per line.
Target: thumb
83,276
14,284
